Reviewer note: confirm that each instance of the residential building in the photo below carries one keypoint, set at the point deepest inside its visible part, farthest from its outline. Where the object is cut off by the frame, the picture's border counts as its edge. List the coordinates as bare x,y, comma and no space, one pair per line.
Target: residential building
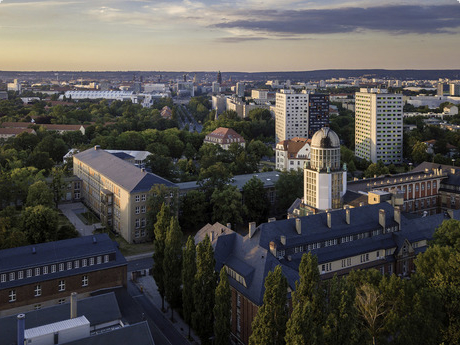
378,126
166,113
374,236
219,104
440,89
3,95
215,87
219,77
259,96
300,114
42,274
292,154
239,89
224,137
185,89
14,86
117,192
454,89
111,95
135,157
325,182
11,132
450,110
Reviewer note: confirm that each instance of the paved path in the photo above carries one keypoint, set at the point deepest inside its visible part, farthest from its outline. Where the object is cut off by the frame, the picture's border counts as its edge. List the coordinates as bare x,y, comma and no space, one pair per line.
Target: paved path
71,210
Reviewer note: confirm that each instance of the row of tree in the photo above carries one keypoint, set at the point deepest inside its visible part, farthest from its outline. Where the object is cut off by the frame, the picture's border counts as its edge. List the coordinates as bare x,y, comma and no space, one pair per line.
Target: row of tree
185,277
366,307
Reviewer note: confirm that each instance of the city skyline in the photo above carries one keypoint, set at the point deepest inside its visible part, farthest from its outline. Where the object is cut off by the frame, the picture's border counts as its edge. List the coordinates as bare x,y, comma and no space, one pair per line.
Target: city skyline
248,36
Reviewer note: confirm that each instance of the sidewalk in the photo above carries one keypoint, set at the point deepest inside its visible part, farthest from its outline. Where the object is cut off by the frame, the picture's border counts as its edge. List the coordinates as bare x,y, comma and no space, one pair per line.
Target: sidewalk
149,288
71,211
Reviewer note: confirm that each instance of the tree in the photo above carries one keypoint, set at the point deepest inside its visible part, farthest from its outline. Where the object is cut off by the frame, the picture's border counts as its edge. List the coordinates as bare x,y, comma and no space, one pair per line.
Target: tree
304,325
161,194
255,200
376,169
39,224
57,184
289,187
160,165
227,206
448,234
193,210
188,277
172,265
222,310
214,177
203,291
39,194
269,325
160,230
418,152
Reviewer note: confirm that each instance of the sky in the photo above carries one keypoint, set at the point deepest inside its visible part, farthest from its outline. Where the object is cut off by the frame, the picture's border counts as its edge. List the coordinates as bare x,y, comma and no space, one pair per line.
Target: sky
240,35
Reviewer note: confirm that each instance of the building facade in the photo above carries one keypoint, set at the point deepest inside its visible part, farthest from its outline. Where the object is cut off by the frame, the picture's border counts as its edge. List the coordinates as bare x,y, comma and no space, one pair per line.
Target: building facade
224,137
318,112
292,154
117,192
35,276
379,126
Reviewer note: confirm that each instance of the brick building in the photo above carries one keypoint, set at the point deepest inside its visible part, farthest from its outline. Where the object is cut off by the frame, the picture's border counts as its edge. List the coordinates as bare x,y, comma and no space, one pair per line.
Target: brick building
35,276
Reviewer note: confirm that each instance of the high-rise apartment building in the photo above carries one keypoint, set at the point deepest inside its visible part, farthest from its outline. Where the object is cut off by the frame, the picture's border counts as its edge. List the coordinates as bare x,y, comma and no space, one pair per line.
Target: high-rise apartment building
454,89
240,89
378,126
219,77
292,114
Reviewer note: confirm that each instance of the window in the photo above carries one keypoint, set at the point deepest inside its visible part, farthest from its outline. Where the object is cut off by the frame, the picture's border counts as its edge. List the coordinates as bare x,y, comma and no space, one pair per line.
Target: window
138,210
53,268
37,306
137,198
136,234
61,301
12,276
69,265
12,296
91,261
106,258
143,197
138,223
61,285
61,267
143,233
20,274
99,260
84,262
84,281
76,264
143,209
45,269
143,222
37,271
37,291
3,278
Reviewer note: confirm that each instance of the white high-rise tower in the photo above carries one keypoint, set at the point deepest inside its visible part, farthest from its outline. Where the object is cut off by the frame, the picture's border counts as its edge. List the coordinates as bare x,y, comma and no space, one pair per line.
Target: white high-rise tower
378,126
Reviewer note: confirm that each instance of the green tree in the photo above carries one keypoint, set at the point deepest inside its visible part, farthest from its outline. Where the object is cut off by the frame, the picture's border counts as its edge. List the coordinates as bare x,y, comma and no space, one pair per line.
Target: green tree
40,224
39,194
418,152
289,187
269,324
57,184
193,210
160,230
256,200
448,234
161,166
214,177
161,194
304,325
172,265
203,291
227,206
376,169
222,310
188,277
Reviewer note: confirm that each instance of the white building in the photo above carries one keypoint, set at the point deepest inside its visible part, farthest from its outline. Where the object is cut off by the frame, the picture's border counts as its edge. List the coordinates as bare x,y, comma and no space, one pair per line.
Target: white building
14,86
378,126
292,154
291,115
215,87
325,182
113,95
259,95
454,89
219,104
155,88
240,89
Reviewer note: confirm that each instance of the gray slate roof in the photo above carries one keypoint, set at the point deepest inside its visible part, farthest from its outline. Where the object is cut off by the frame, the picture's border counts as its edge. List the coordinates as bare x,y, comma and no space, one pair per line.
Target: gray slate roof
121,172
97,309
56,252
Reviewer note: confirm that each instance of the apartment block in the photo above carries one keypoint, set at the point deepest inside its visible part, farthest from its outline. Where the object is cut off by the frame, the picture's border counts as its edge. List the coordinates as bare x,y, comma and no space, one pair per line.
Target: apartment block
117,191
379,126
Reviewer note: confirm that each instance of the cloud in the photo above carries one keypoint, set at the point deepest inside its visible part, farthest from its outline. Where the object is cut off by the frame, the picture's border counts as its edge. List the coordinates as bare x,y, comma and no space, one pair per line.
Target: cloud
238,39
395,19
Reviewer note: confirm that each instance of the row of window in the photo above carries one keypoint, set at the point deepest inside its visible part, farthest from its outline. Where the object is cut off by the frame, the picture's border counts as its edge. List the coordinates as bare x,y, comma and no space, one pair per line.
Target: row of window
37,271
142,197
12,296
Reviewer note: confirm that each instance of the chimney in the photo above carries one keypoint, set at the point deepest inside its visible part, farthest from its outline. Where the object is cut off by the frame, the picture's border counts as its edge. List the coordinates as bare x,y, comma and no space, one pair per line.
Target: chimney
329,219
397,216
21,328
73,305
271,219
252,229
229,225
273,248
143,170
283,240
382,219
361,204
298,226
347,216
97,147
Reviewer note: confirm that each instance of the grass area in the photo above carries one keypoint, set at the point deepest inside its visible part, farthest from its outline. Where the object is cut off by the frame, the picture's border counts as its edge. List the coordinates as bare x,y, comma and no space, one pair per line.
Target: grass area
131,249
63,220
88,218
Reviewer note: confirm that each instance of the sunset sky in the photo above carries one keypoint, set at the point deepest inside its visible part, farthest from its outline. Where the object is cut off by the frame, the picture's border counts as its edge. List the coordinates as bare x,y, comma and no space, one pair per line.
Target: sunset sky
249,35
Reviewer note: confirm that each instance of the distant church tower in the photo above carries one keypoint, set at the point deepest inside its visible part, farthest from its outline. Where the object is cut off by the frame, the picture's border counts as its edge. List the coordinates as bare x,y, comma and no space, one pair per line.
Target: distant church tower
325,182
219,77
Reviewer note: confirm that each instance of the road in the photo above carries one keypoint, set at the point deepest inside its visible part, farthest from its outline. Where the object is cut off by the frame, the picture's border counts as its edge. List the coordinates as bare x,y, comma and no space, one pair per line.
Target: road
163,332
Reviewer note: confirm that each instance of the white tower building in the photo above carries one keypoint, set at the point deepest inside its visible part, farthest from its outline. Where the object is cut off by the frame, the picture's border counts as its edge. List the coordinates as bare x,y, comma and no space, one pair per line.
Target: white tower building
325,182
291,115
378,126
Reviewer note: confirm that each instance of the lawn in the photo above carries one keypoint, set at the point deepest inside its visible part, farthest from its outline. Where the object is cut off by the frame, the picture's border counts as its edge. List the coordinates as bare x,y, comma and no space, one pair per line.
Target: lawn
131,249
88,218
